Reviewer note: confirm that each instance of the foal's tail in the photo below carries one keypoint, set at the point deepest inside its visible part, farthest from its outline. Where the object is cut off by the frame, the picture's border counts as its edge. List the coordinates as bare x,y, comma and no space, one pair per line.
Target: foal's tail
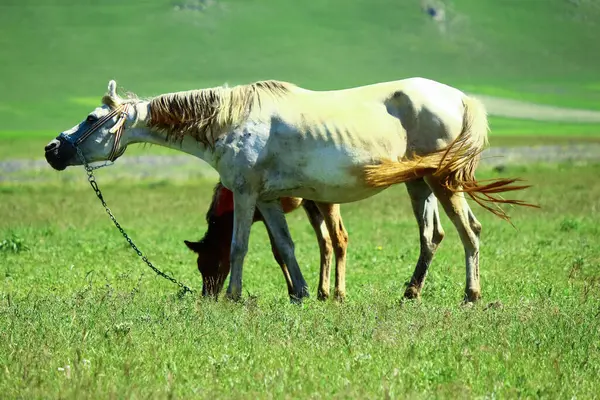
454,166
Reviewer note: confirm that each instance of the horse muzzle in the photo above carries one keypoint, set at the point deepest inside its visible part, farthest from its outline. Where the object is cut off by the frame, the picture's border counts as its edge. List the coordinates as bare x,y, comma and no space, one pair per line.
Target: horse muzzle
59,153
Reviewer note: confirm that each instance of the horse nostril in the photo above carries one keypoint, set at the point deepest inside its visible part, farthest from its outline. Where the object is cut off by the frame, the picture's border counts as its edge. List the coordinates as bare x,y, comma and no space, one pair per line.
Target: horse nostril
52,145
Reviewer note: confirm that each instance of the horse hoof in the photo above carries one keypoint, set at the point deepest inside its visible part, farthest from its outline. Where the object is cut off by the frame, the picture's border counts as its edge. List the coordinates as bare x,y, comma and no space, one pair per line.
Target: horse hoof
339,296
412,293
472,296
298,297
296,300
233,297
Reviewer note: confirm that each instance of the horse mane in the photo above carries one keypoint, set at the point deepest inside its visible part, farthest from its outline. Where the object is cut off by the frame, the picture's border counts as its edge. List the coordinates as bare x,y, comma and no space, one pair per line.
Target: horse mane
205,114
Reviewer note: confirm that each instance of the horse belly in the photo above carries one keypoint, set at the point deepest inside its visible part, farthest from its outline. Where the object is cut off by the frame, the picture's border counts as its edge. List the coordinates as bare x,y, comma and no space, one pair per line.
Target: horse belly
333,194
318,162
328,174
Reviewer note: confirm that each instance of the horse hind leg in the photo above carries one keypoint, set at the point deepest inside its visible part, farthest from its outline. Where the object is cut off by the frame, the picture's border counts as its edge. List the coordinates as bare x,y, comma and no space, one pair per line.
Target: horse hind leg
476,228
318,224
339,239
431,234
473,222
468,228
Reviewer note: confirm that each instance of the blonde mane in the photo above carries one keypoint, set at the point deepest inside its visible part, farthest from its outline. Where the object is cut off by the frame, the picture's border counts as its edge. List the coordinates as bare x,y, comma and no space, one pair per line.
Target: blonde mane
205,114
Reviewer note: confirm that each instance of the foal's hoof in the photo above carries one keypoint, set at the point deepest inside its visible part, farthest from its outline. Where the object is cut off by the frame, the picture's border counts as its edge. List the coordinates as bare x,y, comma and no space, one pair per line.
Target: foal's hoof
339,296
412,293
322,295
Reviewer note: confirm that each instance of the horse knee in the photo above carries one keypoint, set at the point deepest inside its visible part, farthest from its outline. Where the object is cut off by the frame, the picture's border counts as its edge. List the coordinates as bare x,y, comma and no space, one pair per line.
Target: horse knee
327,246
475,226
430,241
438,236
428,248
470,236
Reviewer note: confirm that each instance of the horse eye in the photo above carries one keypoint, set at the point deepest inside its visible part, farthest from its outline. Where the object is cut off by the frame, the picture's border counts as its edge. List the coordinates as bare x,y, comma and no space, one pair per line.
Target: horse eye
91,118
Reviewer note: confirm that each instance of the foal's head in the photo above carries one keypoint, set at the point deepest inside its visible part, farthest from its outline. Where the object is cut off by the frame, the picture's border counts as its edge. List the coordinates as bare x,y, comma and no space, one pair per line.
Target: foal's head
213,249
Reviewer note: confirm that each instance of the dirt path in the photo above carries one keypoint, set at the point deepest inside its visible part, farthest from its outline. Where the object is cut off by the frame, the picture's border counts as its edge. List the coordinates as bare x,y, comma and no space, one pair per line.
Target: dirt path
181,167
508,108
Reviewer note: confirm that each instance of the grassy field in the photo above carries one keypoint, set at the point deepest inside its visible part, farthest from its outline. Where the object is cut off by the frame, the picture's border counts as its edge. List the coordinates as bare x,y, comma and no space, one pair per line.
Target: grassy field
82,317
58,55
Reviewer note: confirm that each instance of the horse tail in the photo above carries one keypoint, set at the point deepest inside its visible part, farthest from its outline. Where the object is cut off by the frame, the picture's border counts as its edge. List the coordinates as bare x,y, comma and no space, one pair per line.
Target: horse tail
454,166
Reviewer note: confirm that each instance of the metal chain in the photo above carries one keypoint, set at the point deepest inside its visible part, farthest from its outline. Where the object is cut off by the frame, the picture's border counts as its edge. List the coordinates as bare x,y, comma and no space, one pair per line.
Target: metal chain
92,180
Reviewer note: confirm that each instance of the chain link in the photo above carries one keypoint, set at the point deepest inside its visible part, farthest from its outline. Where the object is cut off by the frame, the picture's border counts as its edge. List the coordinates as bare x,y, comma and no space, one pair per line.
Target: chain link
92,180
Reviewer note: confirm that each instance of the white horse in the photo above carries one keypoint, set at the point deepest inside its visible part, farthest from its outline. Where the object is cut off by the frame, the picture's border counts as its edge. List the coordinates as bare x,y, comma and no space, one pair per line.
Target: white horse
273,139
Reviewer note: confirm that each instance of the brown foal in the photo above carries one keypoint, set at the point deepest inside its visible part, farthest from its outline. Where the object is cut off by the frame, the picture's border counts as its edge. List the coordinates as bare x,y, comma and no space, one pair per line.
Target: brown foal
214,248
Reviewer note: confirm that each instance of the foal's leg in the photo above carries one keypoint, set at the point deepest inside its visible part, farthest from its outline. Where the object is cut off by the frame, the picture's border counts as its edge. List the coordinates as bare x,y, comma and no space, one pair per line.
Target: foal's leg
426,212
468,229
284,269
243,214
339,239
275,220
316,220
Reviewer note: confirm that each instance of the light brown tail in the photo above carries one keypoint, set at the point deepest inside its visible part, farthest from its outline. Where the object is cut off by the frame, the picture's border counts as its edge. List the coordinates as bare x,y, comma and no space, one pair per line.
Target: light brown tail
455,165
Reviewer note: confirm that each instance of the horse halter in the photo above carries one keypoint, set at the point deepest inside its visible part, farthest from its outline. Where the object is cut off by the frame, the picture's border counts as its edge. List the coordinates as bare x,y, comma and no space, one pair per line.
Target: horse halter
122,111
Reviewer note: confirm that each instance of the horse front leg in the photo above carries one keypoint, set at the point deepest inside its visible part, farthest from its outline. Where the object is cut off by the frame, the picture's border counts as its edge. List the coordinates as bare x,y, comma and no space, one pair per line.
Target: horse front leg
275,220
243,215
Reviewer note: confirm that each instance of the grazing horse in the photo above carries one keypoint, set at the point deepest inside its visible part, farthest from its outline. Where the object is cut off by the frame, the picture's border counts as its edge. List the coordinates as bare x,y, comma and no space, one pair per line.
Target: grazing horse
214,248
271,139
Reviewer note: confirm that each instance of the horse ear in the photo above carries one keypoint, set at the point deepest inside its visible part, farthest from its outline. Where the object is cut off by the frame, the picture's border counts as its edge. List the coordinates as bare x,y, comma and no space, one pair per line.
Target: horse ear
194,246
112,89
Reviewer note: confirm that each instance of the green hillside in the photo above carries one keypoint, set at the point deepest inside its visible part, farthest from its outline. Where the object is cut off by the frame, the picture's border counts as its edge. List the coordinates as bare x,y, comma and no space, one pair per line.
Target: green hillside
57,55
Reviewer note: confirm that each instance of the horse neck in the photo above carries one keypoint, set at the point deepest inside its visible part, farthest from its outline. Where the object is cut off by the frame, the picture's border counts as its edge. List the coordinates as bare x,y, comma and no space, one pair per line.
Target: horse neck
141,133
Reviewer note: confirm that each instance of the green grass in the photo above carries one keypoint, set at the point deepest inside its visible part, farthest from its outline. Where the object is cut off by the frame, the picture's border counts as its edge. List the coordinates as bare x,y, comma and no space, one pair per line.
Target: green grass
82,317
57,55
